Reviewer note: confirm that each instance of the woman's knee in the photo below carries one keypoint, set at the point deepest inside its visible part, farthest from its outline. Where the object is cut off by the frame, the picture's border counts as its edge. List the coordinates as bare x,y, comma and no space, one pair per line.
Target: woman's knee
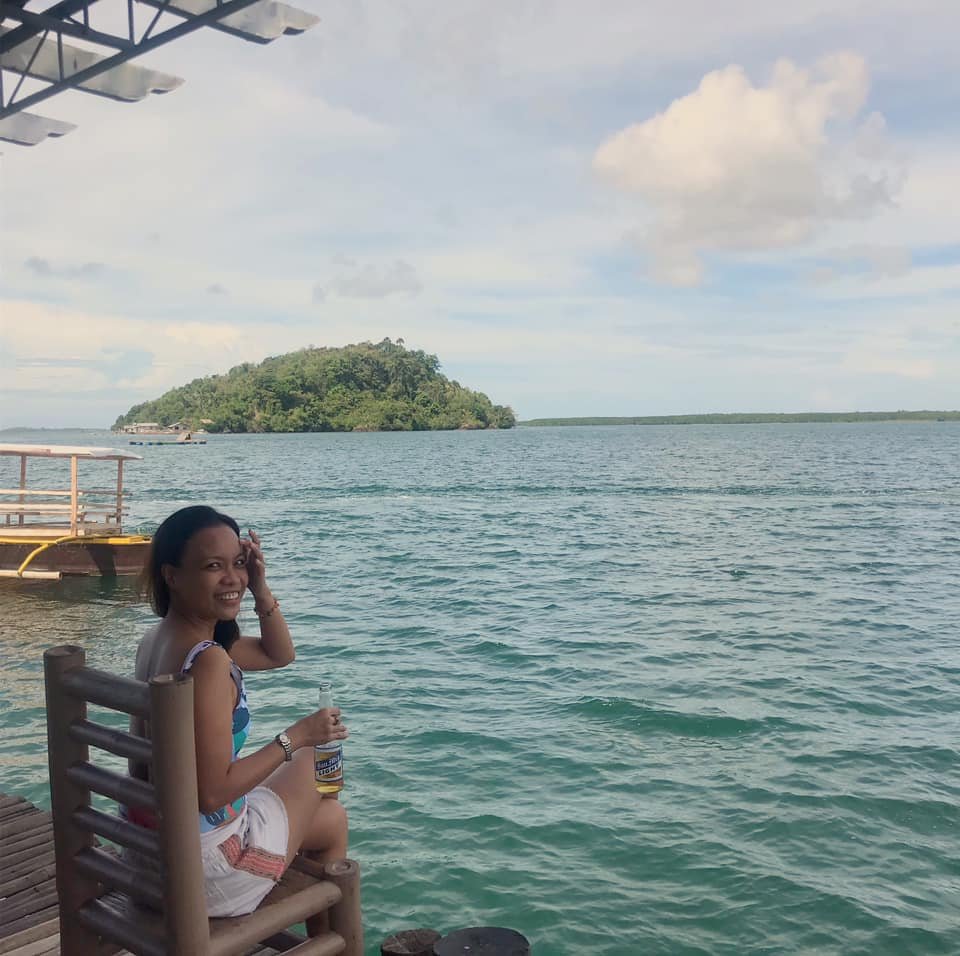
332,815
329,827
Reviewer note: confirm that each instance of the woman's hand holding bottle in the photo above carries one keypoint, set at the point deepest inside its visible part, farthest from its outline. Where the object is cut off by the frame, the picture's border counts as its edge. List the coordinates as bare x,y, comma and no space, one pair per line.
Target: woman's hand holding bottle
318,728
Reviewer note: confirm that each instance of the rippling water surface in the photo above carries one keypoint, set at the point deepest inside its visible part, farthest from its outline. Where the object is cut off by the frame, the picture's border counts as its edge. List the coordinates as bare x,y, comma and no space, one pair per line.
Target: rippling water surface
638,690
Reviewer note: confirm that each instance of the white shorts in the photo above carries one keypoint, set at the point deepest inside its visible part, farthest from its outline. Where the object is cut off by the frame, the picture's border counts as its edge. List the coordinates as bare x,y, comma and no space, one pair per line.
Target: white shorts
243,863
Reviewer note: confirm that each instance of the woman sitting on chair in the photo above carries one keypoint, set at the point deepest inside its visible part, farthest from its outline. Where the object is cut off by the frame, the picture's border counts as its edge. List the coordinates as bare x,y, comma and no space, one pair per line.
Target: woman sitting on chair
256,812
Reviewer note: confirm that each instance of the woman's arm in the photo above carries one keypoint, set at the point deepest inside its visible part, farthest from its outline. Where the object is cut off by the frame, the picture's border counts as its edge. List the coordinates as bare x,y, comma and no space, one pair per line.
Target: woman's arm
138,726
220,779
274,648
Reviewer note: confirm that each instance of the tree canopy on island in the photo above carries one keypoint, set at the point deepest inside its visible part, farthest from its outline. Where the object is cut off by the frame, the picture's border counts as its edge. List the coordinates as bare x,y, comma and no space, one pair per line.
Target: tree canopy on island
363,387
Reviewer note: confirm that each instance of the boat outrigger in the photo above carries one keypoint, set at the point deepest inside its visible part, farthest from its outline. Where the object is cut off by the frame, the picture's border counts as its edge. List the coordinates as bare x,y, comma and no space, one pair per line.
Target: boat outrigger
50,532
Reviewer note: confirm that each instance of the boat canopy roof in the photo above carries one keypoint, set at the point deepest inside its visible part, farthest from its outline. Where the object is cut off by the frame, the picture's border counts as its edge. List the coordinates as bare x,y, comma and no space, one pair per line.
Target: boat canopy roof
69,451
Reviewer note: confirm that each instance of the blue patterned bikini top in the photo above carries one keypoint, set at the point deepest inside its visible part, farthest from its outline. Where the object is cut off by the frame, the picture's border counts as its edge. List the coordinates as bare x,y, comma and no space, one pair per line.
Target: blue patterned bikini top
241,730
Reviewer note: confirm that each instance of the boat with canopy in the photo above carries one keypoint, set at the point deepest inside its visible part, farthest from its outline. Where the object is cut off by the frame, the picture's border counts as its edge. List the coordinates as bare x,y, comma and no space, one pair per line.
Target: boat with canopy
63,528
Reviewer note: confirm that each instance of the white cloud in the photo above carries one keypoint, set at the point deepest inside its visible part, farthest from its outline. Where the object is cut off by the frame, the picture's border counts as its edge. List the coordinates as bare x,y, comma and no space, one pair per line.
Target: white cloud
862,261
877,261
47,270
482,266
469,44
61,348
58,379
927,282
376,281
888,358
733,166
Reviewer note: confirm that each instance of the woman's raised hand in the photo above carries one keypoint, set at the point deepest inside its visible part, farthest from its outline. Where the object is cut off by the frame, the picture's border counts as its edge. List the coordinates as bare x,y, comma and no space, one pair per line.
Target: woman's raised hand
319,728
256,566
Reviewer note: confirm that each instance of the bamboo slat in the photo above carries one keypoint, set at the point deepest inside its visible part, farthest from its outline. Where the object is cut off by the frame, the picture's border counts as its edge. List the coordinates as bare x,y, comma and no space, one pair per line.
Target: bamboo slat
125,790
117,742
109,690
113,828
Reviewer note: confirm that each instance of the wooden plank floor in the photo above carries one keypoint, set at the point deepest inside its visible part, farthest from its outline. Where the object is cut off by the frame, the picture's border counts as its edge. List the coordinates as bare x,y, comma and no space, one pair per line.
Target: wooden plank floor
28,892
29,925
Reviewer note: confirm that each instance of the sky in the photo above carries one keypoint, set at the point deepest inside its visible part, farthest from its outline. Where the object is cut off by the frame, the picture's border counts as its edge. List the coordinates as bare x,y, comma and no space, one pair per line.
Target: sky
613,208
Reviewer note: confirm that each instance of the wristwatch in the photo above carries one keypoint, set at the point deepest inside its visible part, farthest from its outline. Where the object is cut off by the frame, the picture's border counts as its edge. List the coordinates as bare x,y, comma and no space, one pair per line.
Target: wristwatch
284,742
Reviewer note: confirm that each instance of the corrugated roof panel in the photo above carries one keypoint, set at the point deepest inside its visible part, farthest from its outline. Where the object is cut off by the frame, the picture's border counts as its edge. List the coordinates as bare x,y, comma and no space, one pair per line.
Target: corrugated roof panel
124,82
28,129
261,22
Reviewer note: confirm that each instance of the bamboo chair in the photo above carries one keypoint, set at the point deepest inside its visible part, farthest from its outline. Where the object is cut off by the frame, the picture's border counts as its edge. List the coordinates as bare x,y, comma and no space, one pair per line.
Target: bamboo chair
105,904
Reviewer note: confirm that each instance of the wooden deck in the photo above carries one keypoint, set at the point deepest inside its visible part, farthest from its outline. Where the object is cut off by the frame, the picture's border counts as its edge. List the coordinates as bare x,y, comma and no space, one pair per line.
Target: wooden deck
28,894
29,925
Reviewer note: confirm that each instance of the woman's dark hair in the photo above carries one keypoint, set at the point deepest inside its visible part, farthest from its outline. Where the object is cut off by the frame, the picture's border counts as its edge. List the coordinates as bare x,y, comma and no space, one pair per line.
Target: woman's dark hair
167,547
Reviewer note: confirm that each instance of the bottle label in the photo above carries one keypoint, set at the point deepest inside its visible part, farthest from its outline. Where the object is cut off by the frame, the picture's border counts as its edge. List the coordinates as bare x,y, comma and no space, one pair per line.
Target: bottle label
328,763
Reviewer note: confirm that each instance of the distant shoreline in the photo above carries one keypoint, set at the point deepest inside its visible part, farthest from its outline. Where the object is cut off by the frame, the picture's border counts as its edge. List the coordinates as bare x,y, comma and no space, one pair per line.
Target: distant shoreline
731,418
53,428
752,418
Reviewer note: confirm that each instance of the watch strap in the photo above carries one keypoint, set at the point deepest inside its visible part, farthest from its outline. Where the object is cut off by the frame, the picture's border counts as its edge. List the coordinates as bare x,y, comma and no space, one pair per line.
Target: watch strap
284,742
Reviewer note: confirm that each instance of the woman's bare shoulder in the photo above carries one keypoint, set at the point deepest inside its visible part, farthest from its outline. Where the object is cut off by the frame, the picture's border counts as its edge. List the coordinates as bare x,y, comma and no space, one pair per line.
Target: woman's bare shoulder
162,650
145,654
212,660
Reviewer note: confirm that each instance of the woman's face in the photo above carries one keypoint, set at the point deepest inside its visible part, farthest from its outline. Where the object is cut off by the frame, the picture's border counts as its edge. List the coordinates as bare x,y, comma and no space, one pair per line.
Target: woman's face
212,576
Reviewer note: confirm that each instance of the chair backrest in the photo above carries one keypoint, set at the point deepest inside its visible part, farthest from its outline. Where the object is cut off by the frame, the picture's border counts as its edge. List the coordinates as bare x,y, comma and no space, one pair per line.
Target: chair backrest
175,887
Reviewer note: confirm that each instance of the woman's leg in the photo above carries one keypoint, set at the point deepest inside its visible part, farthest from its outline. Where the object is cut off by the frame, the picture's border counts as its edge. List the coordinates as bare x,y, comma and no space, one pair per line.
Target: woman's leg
315,824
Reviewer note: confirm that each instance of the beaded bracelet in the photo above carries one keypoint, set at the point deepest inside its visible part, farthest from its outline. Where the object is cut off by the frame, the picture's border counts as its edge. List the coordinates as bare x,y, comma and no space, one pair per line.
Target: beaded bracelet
263,615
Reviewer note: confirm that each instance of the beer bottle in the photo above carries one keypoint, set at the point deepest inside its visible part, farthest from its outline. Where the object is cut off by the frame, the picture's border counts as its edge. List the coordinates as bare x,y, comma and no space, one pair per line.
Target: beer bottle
328,757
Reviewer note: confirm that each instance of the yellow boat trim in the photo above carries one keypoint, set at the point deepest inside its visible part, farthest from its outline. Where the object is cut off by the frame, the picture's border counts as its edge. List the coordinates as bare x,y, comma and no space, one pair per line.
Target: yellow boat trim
125,539
40,550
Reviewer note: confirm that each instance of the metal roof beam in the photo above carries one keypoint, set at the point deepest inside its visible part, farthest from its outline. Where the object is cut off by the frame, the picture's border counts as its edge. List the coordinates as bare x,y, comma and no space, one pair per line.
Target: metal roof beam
213,15
60,64
263,22
43,22
60,11
35,48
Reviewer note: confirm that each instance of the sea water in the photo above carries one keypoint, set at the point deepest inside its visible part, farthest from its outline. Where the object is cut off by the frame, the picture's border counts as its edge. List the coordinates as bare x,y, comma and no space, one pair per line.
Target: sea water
631,690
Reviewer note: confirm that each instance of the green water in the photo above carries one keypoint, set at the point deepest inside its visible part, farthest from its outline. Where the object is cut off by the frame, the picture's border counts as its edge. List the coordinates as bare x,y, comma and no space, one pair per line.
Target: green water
661,690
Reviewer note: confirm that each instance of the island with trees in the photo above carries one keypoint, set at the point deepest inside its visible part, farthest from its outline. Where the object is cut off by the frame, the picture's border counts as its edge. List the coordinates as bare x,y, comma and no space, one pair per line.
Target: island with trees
362,387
